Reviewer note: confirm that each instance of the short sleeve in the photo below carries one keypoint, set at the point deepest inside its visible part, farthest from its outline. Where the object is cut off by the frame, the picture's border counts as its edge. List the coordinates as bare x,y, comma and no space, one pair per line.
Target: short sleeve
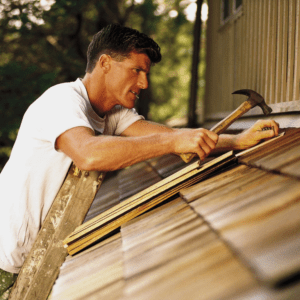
120,118
57,111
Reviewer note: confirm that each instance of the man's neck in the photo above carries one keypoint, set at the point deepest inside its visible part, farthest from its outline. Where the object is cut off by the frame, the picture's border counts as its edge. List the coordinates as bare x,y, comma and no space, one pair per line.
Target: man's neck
96,97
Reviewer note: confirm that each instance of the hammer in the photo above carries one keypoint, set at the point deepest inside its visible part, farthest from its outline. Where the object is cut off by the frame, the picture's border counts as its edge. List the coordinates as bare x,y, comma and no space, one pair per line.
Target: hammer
253,99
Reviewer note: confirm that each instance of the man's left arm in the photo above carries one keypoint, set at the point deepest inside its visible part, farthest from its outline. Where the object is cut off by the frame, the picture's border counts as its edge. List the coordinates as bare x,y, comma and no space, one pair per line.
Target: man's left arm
226,142
248,138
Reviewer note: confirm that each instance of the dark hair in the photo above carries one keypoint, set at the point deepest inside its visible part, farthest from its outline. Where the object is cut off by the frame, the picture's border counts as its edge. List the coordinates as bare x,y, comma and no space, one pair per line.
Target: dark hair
118,42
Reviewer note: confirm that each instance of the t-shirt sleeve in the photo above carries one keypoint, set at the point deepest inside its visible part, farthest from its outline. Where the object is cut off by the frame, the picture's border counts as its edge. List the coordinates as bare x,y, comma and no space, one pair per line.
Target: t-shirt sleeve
119,119
63,111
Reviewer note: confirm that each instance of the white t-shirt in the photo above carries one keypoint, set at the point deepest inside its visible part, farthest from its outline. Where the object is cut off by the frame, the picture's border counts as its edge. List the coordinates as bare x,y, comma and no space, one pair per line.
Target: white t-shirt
35,171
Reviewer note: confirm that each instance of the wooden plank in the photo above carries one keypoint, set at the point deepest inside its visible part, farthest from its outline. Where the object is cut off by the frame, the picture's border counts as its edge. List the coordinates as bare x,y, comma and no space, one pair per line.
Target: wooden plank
176,255
48,253
168,182
238,44
257,45
209,185
296,89
247,11
291,50
265,214
137,204
279,54
280,158
293,169
135,179
274,226
214,204
269,48
272,53
91,236
264,56
284,45
168,164
252,22
105,198
96,273
247,196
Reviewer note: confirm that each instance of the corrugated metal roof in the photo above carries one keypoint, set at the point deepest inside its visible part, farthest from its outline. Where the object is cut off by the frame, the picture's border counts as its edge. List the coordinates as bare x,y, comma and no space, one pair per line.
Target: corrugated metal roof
234,235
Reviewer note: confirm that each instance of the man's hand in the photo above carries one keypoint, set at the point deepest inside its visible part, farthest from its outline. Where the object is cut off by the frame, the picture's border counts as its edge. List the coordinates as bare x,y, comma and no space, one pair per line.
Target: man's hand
255,134
200,141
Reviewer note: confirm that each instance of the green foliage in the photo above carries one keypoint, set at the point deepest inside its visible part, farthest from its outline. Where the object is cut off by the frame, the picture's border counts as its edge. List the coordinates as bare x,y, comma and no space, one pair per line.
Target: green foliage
171,77
43,46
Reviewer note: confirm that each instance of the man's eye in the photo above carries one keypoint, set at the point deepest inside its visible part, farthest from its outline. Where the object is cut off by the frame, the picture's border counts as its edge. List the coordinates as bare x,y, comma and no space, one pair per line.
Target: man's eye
137,70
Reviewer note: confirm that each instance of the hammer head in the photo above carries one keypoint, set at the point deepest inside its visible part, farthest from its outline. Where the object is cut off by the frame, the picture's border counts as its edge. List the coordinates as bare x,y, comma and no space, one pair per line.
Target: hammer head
255,99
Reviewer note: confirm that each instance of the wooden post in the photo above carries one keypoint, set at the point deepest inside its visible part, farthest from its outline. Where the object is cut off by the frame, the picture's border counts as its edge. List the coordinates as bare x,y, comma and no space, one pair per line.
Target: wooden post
68,211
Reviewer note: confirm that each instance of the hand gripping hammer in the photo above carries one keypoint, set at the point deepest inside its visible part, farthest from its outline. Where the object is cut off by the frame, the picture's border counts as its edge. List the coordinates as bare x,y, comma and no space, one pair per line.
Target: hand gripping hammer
253,100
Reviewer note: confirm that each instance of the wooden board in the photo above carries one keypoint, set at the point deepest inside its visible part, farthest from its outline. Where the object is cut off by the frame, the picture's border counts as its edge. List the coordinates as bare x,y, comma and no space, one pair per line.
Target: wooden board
209,185
171,253
135,179
47,253
94,274
259,218
113,218
166,165
104,199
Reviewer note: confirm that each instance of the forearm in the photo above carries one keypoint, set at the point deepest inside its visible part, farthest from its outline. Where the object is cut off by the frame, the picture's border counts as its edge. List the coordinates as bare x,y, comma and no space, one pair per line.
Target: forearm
137,143
247,138
110,153
226,143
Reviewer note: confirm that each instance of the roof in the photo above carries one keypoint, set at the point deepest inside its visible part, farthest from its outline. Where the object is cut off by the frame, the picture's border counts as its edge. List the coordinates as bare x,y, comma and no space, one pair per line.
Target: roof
234,235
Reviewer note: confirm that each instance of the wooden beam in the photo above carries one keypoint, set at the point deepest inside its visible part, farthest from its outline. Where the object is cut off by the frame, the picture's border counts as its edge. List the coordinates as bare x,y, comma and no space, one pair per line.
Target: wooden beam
113,218
68,211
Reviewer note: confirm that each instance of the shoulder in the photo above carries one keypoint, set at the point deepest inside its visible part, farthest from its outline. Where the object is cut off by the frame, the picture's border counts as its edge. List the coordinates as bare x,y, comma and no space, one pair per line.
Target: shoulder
64,90
60,95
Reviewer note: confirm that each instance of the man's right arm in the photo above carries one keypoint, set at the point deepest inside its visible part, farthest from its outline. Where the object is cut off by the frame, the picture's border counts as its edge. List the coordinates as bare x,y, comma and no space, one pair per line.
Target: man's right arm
107,153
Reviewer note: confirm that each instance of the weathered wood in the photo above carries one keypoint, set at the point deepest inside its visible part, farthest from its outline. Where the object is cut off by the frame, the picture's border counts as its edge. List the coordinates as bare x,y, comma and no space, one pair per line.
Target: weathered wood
205,187
177,256
280,158
221,198
141,202
167,165
48,253
296,88
135,179
259,217
292,169
96,273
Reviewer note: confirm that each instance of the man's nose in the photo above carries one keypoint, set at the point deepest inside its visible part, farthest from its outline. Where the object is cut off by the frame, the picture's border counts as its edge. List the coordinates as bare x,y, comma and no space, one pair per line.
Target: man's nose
143,81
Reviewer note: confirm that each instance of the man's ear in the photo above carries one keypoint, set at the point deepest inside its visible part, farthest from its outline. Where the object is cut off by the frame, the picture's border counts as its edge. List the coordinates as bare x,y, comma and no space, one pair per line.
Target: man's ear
104,62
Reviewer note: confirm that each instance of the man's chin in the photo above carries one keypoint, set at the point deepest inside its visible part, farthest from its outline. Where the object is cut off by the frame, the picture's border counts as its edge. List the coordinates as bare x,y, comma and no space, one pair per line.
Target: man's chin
130,104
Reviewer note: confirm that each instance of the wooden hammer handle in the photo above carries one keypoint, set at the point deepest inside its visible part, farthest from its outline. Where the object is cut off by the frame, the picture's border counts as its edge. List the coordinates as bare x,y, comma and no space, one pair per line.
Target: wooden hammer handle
222,126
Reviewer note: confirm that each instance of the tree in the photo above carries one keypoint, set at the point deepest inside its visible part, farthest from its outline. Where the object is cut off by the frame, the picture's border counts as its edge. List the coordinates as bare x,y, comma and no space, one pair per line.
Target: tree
44,45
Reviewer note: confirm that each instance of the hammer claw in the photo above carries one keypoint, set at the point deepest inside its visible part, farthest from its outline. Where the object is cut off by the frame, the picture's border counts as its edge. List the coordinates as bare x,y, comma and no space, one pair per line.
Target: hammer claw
256,99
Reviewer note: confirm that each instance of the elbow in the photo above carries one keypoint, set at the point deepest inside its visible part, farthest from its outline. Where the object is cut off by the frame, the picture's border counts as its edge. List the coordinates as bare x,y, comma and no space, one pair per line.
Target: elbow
90,163
87,164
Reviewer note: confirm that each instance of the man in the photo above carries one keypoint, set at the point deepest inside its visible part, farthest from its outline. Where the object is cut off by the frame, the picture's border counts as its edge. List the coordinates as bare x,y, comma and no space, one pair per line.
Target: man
91,122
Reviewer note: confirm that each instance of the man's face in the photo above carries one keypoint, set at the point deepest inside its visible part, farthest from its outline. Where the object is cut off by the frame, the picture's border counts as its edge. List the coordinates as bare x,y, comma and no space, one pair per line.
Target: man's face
125,79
